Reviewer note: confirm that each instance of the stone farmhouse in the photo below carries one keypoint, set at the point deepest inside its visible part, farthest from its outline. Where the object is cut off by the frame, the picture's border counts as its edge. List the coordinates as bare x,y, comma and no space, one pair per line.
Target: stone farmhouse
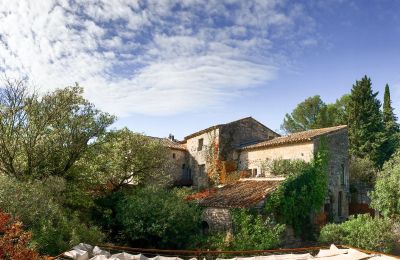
241,147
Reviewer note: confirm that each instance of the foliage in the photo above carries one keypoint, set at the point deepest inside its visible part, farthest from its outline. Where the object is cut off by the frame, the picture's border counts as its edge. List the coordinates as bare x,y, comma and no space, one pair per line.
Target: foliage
157,218
39,206
253,232
362,170
362,231
14,241
281,167
45,136
386,196
338,112
212,157
309,114
122,157
391,126
366,128
301,194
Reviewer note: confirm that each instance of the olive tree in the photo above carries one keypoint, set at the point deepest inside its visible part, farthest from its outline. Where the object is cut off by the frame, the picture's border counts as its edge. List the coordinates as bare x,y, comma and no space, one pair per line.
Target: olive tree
44,135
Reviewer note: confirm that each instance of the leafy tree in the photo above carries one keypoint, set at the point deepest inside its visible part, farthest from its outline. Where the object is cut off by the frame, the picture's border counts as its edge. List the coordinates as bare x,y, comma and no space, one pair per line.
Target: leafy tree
362,170
45,136
391,125
386,196
39,205
157,218
366,128
338,111
363,232
122,157
309,114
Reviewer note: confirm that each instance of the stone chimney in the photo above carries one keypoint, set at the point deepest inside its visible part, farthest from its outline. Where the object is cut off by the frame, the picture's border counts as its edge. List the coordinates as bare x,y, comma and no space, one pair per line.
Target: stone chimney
171,137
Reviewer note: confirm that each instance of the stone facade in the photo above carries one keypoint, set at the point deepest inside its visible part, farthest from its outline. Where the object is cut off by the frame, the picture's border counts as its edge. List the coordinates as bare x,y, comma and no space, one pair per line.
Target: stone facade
246,143
217,219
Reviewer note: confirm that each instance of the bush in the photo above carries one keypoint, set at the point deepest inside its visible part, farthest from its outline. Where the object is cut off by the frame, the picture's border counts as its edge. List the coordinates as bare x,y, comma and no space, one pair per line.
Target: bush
38,204
281,167
158,218
14,241
362,170
386,196
363,232
253,232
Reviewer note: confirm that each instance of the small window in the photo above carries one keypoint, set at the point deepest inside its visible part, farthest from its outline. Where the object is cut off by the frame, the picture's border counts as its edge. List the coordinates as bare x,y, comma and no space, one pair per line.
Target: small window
200,144
342,181
183,166
255,172
173,155
340,203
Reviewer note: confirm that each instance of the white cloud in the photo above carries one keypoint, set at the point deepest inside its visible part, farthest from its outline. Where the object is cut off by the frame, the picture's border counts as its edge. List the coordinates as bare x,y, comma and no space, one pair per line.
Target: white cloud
151,57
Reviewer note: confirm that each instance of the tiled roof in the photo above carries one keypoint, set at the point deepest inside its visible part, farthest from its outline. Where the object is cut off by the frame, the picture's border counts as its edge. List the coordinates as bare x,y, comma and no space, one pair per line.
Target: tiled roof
296,137
170,144
220,125
242,194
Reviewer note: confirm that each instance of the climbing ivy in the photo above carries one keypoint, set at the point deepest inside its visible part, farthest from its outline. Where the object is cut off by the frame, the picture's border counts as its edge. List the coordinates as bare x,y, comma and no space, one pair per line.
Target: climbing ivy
301,194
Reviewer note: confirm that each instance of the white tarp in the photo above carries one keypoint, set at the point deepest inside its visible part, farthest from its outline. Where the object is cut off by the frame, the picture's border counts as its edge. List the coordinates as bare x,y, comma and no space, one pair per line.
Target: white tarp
88,252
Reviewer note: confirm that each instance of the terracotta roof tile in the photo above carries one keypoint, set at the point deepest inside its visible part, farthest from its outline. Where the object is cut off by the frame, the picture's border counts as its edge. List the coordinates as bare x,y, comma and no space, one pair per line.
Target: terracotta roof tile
242,194
296,137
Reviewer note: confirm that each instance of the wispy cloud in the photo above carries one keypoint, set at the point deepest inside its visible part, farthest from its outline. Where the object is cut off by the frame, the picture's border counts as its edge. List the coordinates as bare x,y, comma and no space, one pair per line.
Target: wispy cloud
152,57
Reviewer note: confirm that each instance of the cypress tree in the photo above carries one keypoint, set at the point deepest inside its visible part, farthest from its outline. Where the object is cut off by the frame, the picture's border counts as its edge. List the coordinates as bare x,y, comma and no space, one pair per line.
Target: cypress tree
366,127
391,125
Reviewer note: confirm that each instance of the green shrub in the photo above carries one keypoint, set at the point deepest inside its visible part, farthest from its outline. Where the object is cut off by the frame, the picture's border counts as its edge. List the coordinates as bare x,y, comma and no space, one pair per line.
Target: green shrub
38,204
253,232
363,232
362,170
386,196
281,167
157,218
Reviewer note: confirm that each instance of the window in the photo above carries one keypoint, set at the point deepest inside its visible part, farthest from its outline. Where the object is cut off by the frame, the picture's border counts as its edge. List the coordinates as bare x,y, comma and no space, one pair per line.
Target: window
340,204
183,166
342,175
173,155
255,172
200,144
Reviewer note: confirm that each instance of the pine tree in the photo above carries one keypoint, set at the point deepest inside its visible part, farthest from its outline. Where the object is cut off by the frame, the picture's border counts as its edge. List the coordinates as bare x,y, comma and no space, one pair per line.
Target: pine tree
391,125
366,127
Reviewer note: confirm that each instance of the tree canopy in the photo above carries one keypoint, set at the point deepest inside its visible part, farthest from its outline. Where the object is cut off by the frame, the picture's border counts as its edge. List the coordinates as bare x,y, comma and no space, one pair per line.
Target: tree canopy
45,136
366,128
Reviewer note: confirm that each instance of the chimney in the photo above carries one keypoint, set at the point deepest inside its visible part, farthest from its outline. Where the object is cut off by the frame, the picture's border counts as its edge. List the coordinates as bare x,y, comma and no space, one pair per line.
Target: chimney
171,137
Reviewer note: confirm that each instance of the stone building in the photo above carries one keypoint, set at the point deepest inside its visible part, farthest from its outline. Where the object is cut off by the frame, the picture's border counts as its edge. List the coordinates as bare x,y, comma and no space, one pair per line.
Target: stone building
242,146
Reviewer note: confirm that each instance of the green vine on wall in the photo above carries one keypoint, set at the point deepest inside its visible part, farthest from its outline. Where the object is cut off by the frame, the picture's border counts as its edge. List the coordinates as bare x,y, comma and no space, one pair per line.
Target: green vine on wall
302,194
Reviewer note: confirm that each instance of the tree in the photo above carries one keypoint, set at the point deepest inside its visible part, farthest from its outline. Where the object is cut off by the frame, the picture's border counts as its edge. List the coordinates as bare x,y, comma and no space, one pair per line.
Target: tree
366,128
309,114
386,196
338,111
121,157
45,136
391,125
158,218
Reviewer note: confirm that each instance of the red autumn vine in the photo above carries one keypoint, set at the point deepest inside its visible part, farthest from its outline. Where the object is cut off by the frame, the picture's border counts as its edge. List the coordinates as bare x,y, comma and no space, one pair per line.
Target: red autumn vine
14,241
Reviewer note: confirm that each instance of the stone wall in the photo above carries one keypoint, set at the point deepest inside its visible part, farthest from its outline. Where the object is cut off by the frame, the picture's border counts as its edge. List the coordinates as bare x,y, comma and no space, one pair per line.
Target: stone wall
338,175
197,158
217,219
254,159
239,133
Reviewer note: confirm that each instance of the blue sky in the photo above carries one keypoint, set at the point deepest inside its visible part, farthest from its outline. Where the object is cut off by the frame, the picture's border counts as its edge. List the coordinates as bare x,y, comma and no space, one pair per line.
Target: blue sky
179,66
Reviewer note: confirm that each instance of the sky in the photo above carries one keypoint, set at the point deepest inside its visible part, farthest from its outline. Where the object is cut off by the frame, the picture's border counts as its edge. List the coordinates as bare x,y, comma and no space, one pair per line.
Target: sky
178,66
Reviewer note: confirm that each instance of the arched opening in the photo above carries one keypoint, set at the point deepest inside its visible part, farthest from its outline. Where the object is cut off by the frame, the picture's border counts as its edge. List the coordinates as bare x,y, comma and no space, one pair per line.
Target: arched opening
205,227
